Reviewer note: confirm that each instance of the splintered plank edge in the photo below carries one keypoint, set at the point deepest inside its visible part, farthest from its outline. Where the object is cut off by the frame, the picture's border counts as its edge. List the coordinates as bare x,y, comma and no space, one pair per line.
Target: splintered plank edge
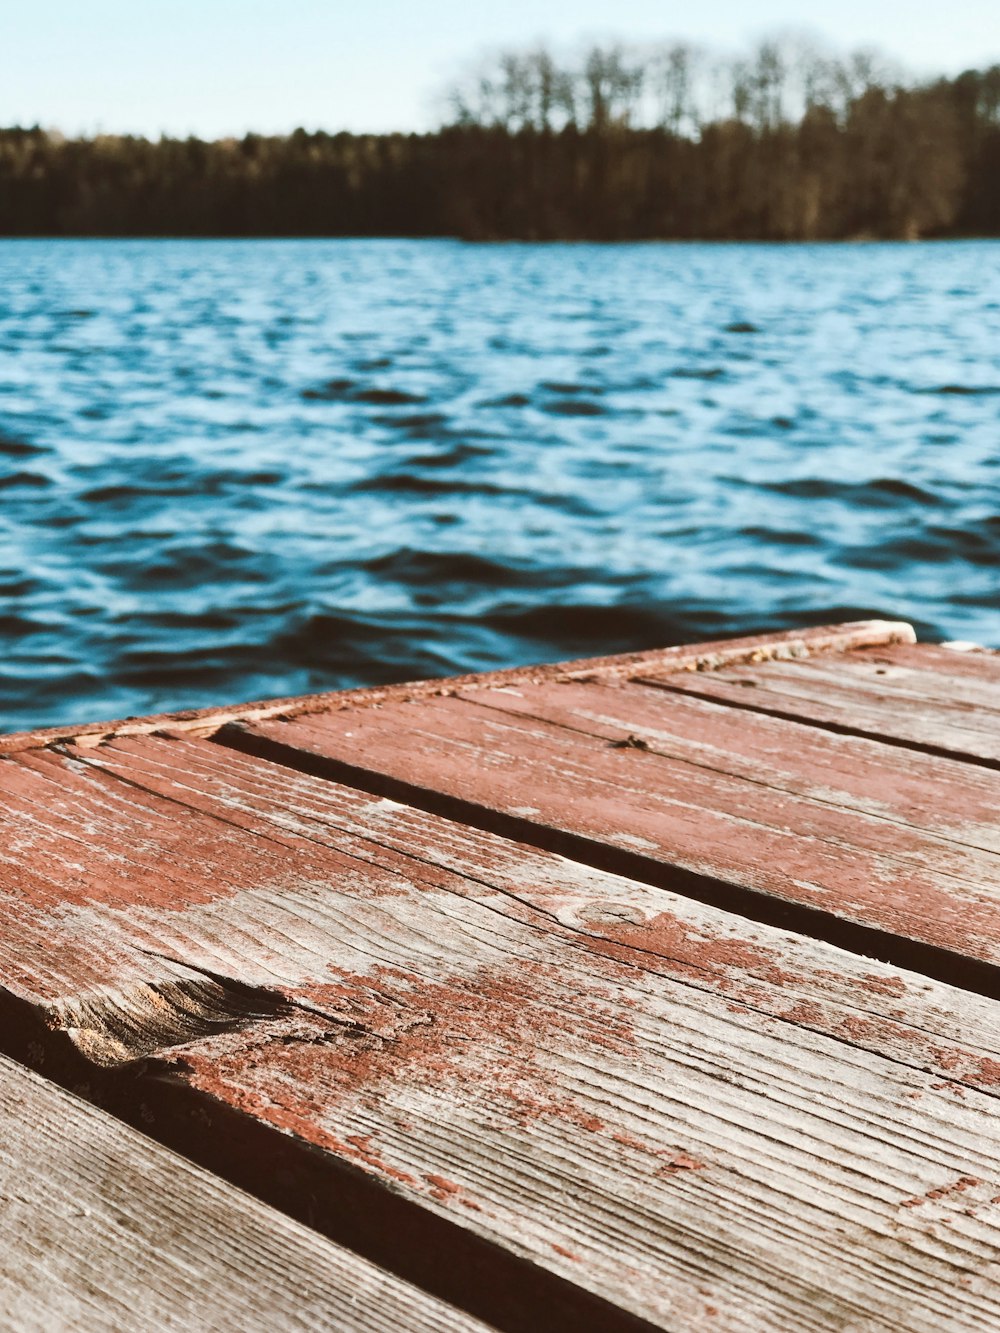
698,657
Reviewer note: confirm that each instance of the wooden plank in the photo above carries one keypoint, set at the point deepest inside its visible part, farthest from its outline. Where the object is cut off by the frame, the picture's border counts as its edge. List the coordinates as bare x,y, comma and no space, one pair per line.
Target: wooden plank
704,1122
946,798
697,657
943,702
100,1228
771,847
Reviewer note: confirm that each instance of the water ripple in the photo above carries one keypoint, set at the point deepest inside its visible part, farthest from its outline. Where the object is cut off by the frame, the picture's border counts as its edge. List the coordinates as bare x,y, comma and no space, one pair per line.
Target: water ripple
239,469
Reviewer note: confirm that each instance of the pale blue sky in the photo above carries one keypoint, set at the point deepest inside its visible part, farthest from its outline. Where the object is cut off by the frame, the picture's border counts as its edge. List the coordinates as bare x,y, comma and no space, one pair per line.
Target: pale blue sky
216,67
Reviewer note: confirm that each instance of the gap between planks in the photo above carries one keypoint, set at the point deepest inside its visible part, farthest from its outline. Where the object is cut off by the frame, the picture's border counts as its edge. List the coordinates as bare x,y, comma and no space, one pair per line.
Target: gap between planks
102,1230
948,965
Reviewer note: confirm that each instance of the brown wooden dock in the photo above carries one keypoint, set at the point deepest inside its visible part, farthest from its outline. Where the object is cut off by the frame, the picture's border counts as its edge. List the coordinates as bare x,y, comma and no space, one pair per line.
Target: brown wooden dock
658,991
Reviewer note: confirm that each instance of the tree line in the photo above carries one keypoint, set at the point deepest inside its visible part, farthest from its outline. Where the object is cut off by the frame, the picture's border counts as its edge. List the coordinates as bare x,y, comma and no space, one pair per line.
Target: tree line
785,142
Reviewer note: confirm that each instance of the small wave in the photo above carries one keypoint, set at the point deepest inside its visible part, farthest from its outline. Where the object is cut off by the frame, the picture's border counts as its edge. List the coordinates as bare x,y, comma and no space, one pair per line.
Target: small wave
781,536
352,649
563,387
417,423
697,373
453,457
586,629
880,491
333,391
409,565
573,407
17,627
20,448
31,480
411,483
979,543
349,391
508,400
387,397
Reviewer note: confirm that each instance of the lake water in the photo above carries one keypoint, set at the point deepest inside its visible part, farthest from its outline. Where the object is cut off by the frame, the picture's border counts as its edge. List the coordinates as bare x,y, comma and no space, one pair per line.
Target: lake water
231,470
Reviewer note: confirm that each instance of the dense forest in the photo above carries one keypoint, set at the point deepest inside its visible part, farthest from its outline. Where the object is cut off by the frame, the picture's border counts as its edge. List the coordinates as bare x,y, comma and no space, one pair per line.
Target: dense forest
786,142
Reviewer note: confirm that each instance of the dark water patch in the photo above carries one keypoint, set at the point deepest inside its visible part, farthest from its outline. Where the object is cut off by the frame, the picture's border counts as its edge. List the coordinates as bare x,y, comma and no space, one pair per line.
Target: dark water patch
20,448
412,483
17,626
222,620
264,478
882,492
25,481
416,423
435,568
571,629
780,536
453,457
568,387
349,391
333,391
18,586
698,373
573,407
508,400
977,544
388,397
336,644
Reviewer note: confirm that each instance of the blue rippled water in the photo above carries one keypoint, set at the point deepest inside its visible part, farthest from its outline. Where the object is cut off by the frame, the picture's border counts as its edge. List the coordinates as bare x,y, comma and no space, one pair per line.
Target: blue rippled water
238,469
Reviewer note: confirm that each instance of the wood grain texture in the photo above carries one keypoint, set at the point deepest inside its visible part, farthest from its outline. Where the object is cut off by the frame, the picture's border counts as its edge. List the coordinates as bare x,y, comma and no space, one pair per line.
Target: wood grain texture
941,701
102,1229
790,817
697,657
706,1123
923,793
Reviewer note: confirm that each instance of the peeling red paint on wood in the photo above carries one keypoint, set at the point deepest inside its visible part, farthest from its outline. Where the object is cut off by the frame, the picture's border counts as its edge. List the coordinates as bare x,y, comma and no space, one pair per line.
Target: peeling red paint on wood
928,793
911,696
503,1017
784,839
698,1119
770,969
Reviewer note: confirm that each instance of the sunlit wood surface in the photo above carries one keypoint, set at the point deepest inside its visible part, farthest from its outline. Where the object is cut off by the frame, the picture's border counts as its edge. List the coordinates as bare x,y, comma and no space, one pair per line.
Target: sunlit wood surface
655,991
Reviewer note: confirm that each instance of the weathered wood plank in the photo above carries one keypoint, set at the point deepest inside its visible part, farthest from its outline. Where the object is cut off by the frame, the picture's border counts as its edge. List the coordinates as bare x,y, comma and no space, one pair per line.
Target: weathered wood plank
101,1228
944,702
653,812
942,797
697,657
704,1122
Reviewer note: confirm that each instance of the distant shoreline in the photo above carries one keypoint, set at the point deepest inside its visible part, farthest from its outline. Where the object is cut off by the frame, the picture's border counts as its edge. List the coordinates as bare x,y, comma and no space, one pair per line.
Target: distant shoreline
837,242
817,180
